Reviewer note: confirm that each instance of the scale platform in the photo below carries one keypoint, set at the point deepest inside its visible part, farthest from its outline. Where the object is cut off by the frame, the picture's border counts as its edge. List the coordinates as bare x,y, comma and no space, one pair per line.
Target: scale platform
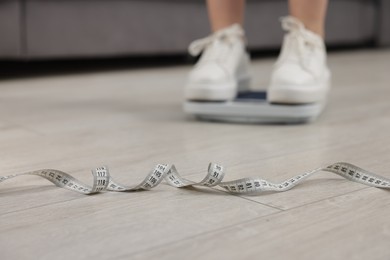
252,107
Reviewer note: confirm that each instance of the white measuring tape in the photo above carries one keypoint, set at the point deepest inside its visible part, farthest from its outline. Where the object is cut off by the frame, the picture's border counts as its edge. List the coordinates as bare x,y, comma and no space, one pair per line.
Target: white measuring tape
102,180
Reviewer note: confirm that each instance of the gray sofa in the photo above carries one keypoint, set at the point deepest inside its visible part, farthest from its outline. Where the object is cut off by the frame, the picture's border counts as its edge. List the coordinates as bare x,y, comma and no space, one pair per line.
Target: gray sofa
52,29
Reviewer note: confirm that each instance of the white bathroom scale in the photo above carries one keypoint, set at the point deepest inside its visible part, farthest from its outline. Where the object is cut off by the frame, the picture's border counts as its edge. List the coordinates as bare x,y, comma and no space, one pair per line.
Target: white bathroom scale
252,107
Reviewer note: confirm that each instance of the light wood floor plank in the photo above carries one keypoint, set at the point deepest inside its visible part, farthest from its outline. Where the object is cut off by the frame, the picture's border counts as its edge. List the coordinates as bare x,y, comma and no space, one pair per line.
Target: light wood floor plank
353,226
119,222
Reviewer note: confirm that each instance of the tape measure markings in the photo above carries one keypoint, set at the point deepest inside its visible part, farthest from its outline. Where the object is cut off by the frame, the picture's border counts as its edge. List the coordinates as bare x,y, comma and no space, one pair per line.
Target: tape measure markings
102,180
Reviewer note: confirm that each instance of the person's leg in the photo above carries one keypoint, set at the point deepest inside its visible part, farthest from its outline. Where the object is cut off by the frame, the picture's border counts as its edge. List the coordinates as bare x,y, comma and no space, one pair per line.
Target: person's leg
224,13
311,13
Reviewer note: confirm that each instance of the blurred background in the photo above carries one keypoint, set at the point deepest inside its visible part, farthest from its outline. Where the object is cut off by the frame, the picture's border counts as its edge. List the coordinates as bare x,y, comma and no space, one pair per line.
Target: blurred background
160,30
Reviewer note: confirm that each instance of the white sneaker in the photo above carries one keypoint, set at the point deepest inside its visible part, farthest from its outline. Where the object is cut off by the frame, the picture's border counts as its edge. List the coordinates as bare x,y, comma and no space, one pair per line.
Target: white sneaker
300,75
223,68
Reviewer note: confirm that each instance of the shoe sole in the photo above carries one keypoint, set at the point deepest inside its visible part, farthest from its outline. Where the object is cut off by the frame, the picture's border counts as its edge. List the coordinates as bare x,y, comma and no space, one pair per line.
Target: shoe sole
207,92
294,95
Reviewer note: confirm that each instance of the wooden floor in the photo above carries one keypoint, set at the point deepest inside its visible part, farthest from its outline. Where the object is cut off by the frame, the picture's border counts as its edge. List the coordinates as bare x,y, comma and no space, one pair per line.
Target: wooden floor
131,119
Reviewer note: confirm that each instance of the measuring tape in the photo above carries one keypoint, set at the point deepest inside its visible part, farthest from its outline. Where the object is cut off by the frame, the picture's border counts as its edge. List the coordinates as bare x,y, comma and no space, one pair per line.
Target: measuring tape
102,180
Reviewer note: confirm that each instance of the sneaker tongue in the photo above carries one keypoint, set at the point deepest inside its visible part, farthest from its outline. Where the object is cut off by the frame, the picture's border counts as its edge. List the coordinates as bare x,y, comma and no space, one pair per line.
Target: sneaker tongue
290,23
227,35
232,31
216,50
296,28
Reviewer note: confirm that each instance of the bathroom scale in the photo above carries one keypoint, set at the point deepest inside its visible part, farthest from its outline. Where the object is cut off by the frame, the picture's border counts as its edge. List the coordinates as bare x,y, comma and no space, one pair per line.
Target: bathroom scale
252,107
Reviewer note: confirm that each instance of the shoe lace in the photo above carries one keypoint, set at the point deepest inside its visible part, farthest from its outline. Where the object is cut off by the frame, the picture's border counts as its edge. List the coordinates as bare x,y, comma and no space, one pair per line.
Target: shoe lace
305,40
227,35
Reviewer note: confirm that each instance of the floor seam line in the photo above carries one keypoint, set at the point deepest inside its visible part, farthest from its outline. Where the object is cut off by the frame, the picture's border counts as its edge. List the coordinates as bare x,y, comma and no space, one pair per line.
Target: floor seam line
332,197
204,233
39,206
244,222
